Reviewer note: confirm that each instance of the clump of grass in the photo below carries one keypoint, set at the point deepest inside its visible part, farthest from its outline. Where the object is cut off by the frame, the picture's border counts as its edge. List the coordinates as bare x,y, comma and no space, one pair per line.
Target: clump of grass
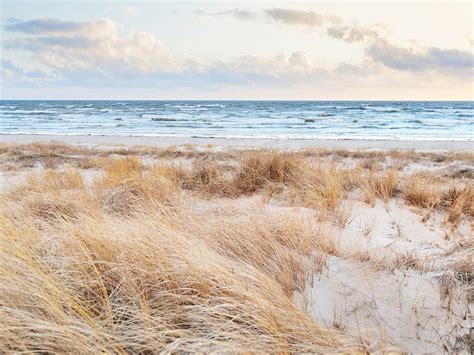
209,179
323,195
49,163
282,167
94,162
458,200
369,164
137,193
173,172
420,192
252,173
387,261
382,186
54,148
54,180
118,170
351,178
424,191
256,169
125,188
321,187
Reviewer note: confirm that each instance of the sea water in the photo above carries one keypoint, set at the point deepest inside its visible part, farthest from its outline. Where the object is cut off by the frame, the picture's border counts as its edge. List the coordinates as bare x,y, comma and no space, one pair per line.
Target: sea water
400,120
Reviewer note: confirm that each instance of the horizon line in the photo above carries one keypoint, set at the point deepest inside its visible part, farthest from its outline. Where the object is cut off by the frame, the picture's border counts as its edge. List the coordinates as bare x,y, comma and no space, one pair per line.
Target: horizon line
246,100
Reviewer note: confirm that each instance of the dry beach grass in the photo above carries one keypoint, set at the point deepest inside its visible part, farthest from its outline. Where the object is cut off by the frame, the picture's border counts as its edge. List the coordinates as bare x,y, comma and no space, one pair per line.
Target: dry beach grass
199,249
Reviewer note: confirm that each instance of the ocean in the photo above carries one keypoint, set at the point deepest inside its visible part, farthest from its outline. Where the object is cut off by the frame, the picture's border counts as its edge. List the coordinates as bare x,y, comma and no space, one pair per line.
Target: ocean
400,120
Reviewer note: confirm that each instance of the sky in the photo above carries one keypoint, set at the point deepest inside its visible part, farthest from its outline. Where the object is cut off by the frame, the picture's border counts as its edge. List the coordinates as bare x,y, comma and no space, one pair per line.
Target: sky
313,50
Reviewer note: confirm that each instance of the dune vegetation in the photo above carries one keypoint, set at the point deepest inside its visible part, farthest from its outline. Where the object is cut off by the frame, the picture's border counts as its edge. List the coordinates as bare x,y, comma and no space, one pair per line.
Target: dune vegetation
182,249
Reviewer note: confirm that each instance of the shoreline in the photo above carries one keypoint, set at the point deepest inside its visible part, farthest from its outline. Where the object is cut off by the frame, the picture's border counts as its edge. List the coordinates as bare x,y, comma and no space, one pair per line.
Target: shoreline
277,143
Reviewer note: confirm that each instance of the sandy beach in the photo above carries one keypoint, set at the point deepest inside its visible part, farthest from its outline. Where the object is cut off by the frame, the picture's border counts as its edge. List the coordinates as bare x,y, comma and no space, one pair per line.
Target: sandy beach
369,248
95,140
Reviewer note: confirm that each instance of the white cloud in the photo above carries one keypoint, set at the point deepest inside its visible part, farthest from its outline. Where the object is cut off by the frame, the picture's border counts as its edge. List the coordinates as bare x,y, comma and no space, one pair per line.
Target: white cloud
421,59
102,54
95,46
352,34
377,48
74,52
285,16
301,18
55,27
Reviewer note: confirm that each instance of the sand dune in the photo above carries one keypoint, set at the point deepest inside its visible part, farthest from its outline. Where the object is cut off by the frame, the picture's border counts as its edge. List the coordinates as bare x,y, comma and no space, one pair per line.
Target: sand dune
213,248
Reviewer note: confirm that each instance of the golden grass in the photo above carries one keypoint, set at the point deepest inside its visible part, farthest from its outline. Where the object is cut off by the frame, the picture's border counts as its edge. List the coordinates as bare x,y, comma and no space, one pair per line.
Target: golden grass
93,162
125,188
158,280
458,200
383,186
321,187
17,156
419,191
316,184
126,264
53,181
209,179
175,173
257,169
120,169
424,191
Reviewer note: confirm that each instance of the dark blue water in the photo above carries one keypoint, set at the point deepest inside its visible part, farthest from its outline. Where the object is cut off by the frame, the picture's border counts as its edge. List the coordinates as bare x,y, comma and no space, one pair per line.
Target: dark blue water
278,119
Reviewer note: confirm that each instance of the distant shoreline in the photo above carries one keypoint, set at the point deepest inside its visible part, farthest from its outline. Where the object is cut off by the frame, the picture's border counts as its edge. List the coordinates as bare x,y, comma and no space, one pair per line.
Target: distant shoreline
277,143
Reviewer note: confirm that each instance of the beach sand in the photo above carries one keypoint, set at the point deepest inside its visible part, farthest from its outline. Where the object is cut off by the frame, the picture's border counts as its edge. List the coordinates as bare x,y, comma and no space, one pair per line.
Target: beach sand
387,251
94,140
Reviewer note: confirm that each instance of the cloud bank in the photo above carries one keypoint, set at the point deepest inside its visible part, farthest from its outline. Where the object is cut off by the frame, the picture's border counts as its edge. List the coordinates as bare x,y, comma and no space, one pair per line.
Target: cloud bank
377,48
101,53
420,59
98,52
94,49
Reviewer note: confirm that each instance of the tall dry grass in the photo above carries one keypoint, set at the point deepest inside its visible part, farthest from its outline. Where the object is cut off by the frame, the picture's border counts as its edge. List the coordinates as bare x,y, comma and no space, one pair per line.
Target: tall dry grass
458,200
209,179
382,186
320,186
425,191
257,169
421,192
139,285
132,270
125,264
